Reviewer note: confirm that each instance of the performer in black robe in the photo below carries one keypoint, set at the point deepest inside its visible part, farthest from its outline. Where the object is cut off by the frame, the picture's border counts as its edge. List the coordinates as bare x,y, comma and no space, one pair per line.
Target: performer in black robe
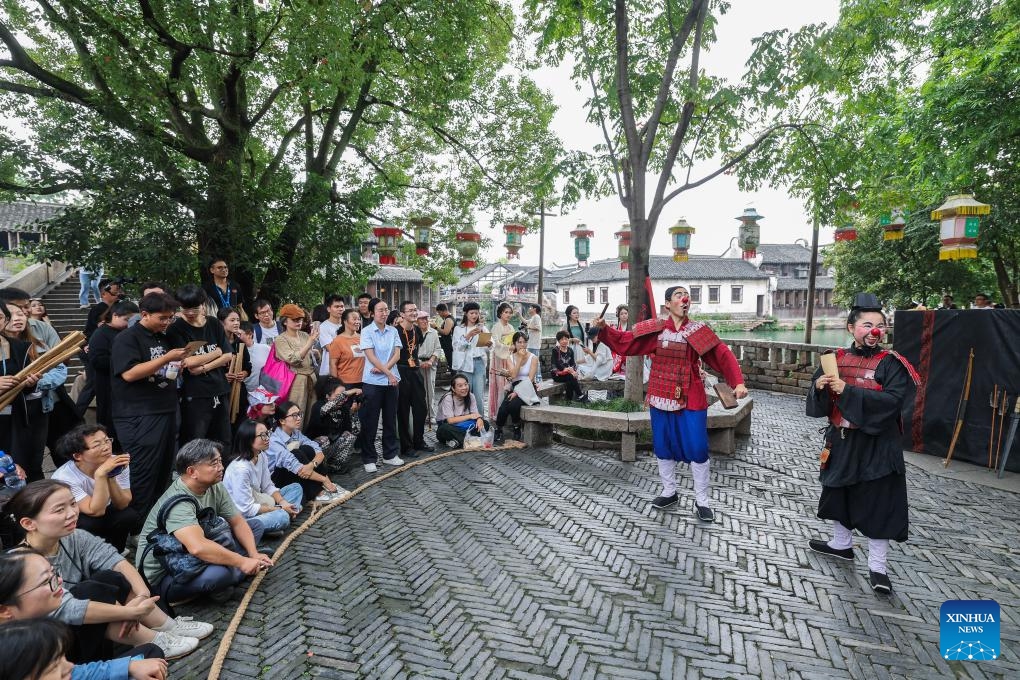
863,475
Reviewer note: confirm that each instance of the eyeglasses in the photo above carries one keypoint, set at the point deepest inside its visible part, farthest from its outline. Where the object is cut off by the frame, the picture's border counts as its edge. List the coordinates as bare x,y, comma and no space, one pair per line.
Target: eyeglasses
191,311
296,415
264,436
53,582
102,443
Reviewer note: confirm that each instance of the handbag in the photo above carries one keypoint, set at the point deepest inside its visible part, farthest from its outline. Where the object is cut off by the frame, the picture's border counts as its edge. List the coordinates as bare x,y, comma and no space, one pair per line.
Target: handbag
277,376
179,564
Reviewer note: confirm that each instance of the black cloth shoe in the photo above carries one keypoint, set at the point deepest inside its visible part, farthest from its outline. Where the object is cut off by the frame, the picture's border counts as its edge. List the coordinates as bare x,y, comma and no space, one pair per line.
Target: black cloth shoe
425,447
704,513
663,502
410,453
822,547
517,433
880,583
497,438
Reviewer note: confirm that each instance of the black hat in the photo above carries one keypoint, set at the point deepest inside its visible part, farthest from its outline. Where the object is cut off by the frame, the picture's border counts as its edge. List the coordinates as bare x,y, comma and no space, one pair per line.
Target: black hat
671,290
866,302
469,306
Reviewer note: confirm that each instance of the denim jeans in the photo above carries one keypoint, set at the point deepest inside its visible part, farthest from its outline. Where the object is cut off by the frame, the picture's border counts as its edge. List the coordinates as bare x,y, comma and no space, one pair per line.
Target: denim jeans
89,283
477,379
279,519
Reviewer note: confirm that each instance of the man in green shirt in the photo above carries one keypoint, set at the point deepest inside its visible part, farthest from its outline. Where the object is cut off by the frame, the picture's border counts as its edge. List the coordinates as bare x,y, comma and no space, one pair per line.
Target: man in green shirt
200,466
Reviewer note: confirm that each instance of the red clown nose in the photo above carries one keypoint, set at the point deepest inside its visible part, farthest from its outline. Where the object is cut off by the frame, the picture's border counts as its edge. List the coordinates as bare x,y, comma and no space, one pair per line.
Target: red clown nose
877,332
685,300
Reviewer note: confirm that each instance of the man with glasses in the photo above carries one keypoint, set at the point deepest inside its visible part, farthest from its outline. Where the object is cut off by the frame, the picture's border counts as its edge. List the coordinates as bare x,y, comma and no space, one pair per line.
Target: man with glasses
266,329
411,407
381,345
205,394
200,466
144,368
221,291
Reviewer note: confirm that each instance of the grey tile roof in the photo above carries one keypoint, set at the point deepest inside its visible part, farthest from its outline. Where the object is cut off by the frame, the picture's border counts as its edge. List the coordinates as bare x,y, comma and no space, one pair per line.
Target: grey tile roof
784,253
698,268
531,277
393,274
790,283
482,272
26,215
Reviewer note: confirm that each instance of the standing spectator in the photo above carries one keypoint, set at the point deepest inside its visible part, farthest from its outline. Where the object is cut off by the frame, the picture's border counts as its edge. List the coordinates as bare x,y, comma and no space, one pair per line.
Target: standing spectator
100,483
37,311
468,357
622,324
982,301
458,413
535,334
521,375
266,508
294,458
148,288
947,302
44,332
200,466
367,318
499,363
293,346
267,328
230,319
574,329
144,371
411,408
564,367
29,436
89,279
381,345
110,294
329,328
428,355
444,326
258,352
205,394
221,292
347,361
14,355
100,353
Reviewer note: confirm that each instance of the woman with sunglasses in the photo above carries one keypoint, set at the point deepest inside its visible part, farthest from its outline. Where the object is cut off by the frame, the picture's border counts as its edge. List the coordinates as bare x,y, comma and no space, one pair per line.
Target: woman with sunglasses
248,480
293,457
106,588
45,647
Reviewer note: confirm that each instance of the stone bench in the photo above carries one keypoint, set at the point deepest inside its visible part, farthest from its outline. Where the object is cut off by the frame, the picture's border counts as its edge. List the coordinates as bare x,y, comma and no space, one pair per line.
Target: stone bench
549,388
723,425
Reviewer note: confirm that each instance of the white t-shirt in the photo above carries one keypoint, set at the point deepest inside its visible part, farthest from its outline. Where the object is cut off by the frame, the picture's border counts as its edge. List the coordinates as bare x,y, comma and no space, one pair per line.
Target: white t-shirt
82,485
535,332
268,333
327,331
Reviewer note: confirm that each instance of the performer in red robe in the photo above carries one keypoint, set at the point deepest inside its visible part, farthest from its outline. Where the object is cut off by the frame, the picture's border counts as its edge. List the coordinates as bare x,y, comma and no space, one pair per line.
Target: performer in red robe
676,393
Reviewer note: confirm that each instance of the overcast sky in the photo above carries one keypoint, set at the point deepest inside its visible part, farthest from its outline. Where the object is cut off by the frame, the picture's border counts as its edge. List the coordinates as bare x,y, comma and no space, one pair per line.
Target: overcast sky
711,208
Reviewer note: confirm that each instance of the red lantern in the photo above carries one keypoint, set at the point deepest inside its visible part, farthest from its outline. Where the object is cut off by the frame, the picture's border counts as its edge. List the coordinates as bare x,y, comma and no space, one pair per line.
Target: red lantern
847,232
624,247
514,239
389,237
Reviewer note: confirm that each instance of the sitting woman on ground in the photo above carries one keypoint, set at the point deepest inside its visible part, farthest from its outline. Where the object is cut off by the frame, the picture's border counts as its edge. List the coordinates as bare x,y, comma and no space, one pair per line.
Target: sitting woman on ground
293,457
100,483
564,369
520,378
266,508
458,413
106,588
333,422
42,646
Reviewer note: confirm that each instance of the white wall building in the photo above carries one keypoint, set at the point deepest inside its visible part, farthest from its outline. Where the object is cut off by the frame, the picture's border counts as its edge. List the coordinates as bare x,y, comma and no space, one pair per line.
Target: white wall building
717,285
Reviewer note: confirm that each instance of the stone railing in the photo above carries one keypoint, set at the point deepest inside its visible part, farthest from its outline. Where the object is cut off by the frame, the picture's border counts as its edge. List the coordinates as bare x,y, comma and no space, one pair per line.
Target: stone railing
777,366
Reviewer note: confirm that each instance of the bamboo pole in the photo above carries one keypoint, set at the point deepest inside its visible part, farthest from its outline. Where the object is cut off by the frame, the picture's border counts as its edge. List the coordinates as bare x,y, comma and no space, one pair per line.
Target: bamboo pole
235,390
63,351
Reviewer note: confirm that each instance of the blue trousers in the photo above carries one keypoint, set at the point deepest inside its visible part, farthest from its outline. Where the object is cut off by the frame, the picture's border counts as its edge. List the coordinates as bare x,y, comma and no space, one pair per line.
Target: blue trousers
279,519
680,435
477,379
89,284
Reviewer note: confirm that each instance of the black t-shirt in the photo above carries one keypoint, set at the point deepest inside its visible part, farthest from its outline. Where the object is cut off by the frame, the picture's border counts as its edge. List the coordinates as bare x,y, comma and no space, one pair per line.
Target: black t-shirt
211,384
95,313
409,338
152,394
367,321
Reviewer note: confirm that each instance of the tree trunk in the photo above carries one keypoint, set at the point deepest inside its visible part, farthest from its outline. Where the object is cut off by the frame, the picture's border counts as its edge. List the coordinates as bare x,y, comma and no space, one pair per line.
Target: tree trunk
314,195
225,218
634,387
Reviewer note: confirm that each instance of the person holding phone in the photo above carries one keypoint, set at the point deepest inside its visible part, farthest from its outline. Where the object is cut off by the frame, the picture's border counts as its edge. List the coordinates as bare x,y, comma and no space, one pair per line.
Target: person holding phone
100,482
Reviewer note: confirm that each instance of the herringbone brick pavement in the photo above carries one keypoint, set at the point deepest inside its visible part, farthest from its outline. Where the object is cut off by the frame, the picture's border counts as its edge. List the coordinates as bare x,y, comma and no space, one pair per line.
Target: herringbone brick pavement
549,564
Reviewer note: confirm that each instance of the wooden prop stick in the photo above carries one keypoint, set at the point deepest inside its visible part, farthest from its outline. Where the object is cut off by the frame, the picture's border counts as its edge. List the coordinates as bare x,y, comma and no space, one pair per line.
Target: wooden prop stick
1003,407
961,409
993,401
235,390
1013,420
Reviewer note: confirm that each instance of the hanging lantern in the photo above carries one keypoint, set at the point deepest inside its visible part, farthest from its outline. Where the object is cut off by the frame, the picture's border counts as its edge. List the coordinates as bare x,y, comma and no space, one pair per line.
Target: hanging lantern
582,243
422,234
959,225
892,224
750,233
680,234
514,239
388,236
847,232
624,247
467,246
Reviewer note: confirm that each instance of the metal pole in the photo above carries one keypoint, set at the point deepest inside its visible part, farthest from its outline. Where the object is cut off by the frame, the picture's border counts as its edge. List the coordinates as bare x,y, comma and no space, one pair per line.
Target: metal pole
810,320
541,251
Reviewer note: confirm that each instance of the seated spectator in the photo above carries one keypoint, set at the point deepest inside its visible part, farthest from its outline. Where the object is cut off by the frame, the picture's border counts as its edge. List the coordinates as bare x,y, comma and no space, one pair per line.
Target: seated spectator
93,570
263,408
520,377
564,369
293,457
43,646
333,422
100,483
200,466
458,413
266,508
598,364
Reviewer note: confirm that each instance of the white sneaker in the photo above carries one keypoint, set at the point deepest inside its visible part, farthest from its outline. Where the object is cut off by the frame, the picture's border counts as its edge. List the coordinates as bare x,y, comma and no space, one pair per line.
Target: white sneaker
394,461
174,646
187,627
330,496
370,467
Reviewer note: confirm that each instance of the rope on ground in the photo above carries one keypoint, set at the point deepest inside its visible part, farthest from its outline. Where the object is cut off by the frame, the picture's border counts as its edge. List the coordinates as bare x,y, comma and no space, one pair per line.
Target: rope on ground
235,623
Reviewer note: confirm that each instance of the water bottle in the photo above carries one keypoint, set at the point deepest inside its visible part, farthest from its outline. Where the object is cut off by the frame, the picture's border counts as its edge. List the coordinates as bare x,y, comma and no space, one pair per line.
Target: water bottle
11,478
